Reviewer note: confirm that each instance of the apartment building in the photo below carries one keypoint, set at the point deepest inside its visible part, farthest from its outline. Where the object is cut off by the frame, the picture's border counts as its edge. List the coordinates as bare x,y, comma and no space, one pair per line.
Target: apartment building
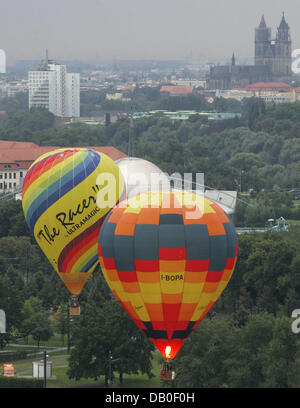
53,88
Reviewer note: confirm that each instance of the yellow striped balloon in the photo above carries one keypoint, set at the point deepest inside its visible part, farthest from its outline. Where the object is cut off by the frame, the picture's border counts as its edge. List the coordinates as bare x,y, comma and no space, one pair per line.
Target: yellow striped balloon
59,201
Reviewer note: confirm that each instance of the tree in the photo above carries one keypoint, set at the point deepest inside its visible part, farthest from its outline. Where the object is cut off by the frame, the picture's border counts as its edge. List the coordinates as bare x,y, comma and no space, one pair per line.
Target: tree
104,333
245,367
199,363
245,161
282,357
35,119
256,108
36,320
262,353
11,302
290,151
265,124
12,219
41,328
60,322
13,105
265,274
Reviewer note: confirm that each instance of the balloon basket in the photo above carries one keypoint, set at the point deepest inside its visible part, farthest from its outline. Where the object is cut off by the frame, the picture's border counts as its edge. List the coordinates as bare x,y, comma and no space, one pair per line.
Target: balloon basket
74,306
168,372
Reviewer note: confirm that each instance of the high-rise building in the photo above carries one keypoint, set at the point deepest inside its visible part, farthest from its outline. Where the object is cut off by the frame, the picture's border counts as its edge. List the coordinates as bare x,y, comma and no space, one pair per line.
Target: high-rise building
51,87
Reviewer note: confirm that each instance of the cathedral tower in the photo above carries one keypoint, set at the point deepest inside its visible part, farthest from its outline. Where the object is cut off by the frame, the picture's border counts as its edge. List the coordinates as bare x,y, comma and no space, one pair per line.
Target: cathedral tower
262,43
277,53
283,53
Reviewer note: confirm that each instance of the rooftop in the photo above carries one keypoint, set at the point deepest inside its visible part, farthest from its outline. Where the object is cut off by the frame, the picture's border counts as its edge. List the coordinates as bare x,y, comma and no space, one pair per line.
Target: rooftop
177,89
269,86
22,154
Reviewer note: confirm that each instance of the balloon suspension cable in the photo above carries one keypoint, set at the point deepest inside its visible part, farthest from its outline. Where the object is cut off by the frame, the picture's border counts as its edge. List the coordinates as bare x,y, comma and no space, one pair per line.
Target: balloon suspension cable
131,135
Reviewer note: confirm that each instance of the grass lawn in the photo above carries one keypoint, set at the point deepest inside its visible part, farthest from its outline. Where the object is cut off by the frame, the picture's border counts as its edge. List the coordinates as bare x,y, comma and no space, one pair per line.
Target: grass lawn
60,365
59,370
294,222
11,347
54,341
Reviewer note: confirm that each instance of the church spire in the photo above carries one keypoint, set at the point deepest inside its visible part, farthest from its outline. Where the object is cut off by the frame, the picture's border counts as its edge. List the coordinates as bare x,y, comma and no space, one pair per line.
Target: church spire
262,23
283,31
283,24
233,59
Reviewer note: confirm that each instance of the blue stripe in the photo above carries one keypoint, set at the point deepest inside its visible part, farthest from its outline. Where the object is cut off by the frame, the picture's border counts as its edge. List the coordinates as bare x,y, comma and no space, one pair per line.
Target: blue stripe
58,189
88,266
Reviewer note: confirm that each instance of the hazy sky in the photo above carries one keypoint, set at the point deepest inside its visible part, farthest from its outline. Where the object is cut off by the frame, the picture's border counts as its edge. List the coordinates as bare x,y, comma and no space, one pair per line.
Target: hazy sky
138,29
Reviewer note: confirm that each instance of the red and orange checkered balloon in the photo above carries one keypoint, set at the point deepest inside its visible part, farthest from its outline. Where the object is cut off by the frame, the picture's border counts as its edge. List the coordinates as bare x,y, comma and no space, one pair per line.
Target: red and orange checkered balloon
167,257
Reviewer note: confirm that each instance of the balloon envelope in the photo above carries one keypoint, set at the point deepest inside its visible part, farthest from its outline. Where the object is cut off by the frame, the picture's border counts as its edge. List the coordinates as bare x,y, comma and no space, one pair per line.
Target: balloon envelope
167,264
59,203
141,176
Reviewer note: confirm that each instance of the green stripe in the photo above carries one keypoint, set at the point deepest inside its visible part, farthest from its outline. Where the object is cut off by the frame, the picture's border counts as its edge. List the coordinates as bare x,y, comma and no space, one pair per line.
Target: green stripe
52,179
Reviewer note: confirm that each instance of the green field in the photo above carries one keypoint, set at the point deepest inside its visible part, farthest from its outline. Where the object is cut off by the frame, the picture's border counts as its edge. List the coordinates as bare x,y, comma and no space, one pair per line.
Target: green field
59,361
294,222
54,341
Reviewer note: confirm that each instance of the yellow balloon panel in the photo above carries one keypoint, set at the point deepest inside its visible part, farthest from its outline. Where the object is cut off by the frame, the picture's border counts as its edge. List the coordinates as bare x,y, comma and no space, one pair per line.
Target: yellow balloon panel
60,206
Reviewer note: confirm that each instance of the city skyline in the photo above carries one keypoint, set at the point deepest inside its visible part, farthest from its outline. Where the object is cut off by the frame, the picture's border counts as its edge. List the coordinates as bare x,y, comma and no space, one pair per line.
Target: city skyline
132,30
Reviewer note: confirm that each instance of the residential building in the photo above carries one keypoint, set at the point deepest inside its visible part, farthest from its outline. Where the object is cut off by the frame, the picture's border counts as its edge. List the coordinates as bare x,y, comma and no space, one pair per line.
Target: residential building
189,82
17,157
237,94
273,92
53,88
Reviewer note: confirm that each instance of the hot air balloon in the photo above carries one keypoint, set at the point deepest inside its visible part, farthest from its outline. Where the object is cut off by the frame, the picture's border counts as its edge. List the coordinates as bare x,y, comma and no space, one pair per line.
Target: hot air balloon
167,257
141,176
59,203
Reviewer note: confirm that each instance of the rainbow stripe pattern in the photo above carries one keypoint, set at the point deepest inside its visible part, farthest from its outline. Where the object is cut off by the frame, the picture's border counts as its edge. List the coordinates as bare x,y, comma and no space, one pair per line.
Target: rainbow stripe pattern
59,203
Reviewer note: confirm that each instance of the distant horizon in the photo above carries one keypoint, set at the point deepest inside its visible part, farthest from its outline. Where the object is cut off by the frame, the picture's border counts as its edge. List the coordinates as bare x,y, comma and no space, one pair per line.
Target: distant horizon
111,60
137,30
